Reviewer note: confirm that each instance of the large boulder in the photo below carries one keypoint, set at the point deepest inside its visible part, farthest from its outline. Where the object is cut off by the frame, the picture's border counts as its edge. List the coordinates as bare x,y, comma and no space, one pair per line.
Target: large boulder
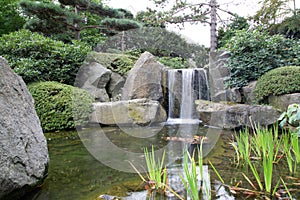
283,101
233,116
139,111
23,147
94,78
115,86
145,79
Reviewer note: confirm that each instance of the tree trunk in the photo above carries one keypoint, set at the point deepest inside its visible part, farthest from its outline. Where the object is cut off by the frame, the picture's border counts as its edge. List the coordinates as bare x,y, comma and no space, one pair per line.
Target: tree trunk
77,32
213,25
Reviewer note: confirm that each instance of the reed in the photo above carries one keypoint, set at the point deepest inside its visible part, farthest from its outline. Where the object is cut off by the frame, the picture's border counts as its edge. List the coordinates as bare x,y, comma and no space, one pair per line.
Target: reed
190,172
295,146
191,178
242,147
156,171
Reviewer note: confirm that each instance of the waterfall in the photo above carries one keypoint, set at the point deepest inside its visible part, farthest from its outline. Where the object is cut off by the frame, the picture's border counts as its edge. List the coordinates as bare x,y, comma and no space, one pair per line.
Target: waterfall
185,85
187,94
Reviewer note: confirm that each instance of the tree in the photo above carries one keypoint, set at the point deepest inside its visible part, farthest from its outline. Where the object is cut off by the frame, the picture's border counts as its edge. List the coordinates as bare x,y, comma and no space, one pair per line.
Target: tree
230,30
10,19
273,11
73,16
182,12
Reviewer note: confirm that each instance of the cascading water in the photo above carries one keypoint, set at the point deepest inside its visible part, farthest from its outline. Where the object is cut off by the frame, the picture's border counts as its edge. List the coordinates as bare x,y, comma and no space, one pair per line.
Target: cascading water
185,85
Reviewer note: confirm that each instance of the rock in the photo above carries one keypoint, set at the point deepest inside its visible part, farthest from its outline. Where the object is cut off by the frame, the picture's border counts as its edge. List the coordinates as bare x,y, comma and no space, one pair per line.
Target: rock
283,101
23,147
137,111
144,80
115,86
218,71
93,77
232,95
247,92
232,116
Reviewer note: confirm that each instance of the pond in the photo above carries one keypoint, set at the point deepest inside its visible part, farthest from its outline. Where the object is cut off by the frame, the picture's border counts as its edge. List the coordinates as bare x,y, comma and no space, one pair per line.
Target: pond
85,165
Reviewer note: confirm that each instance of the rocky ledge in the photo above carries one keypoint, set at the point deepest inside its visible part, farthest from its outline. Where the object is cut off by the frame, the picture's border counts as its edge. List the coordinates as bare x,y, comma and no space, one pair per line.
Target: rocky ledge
232,116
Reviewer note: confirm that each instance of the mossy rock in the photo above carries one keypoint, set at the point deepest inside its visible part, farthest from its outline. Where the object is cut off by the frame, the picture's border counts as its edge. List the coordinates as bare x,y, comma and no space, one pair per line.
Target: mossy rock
60,106
279,81
119,63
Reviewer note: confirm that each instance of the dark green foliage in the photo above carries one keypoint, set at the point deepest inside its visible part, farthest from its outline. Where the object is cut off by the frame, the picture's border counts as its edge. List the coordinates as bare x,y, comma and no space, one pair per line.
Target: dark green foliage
254,53
226,33
10,19
119,63
289,27
283,80
38,58
55,105
159,42
112,25
176,62
69,18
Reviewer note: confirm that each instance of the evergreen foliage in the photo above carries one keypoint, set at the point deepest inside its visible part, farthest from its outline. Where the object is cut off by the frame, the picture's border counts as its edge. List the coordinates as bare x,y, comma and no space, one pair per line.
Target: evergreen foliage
55,107
289,27
157,41
283,80
38,58
69,18
10,19
253,53
227,32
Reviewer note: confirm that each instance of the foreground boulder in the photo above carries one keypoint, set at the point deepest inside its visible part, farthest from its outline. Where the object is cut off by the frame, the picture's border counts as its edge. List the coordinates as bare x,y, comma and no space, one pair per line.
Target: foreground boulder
145,79
139,111
23,148
233,116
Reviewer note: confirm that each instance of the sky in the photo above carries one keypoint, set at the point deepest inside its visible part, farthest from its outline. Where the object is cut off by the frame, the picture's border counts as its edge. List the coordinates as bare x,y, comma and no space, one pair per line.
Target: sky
197,33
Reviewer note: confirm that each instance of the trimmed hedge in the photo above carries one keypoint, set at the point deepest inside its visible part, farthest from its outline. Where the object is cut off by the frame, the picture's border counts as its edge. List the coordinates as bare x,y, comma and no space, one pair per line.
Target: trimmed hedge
279,81
60,106
39,58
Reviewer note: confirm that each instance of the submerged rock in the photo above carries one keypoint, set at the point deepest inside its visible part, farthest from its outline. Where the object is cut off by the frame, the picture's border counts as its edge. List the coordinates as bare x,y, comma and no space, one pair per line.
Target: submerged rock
23,148
232,116
138,111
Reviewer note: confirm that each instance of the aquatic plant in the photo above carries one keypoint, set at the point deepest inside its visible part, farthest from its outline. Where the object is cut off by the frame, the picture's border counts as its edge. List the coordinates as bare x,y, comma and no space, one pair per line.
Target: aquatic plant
157,173
191,183
242,146
192,177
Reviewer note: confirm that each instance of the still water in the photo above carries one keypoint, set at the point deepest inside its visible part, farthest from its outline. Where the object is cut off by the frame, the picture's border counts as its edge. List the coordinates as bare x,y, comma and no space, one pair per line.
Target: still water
77,171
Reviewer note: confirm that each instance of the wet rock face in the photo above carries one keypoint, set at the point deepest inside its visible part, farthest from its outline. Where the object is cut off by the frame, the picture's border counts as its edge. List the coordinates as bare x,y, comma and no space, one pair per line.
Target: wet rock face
23,149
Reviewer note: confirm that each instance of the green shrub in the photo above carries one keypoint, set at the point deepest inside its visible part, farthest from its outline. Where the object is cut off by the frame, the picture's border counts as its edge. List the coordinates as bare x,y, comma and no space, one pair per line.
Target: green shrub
283,80
291,117
56,107
38,58
254,53
176,62
119,63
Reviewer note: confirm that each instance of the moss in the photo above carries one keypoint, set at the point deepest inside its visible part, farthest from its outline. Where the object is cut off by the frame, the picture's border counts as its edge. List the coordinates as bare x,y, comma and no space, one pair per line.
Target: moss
279,81
119,63
60,106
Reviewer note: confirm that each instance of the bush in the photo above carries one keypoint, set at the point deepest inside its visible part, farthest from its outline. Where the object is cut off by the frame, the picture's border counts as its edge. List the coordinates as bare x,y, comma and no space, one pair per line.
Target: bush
255,53
283,80
119,63
38,58
55,105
